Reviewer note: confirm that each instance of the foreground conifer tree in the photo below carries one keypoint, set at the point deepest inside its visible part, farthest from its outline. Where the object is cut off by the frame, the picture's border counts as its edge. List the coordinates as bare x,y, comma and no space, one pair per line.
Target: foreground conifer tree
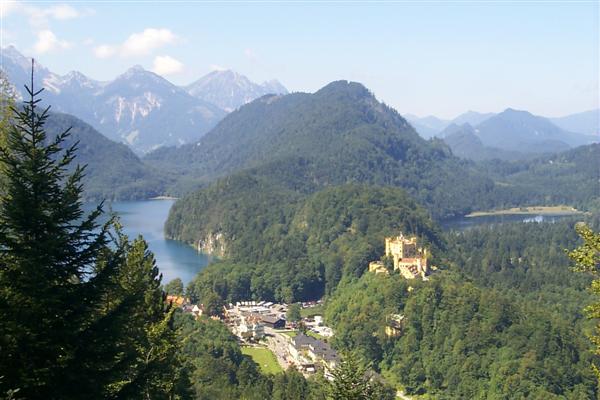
587,259
351,381
81,312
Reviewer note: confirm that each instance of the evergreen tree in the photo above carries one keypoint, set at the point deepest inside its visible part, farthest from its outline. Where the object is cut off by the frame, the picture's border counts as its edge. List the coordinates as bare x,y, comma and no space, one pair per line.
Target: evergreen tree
290,385
351,381
82,315
293,313
7,102
151,340
175,287
48,248
587,259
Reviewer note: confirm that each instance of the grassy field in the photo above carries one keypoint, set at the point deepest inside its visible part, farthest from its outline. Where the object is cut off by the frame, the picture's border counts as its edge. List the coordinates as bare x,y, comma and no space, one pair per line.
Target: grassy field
290,333
537,210
311,311
316,335
264,358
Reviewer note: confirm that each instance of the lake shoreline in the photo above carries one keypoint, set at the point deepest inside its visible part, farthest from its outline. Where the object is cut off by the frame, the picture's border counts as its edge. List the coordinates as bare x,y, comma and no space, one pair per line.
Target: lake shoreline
557,211
163,198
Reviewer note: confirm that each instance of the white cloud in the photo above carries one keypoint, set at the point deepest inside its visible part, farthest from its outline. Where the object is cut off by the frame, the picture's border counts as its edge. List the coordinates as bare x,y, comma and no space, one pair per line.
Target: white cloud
145,42
215,67
7,7
166,65
138,44
39,17
251,54
62,11
104,51
47,42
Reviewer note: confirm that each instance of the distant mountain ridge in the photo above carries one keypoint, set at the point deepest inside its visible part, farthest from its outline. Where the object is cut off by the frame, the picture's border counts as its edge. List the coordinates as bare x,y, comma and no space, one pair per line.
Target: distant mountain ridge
509,135
431,126
542,135
138,108
465,143
230,90
337,135
113,171
521,131
587,122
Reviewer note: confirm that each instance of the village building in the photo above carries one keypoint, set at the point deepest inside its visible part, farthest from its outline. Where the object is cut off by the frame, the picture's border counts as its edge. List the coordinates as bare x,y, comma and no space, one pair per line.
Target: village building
273,321
250,327
308,353
196,311
394,325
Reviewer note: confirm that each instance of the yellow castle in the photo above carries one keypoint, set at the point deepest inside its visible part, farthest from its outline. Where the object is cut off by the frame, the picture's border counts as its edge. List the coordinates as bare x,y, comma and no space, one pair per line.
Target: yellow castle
408,259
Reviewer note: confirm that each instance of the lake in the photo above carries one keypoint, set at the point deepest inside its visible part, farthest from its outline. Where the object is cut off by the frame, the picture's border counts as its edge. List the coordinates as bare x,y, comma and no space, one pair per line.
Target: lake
462,223
147,218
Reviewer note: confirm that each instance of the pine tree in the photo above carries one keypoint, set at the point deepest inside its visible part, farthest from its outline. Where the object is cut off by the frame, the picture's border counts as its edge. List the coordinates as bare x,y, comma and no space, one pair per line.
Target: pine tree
7,102
587,259
47,252
175,287
352,381
82,313
151,337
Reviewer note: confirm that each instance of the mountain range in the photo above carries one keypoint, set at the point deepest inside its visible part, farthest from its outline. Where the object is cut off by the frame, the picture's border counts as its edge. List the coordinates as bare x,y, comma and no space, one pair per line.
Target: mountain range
465,143
512,130
139,108
431,126
339,134
230,90
511,134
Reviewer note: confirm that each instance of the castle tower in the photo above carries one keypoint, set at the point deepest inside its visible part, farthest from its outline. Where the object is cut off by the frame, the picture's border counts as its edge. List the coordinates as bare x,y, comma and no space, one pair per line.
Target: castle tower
409,259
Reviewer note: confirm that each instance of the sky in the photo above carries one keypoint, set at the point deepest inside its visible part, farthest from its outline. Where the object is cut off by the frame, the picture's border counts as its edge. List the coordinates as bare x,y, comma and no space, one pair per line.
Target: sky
423,58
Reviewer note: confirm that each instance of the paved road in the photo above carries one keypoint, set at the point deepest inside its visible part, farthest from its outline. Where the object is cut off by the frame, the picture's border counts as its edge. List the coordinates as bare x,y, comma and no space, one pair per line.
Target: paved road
278,344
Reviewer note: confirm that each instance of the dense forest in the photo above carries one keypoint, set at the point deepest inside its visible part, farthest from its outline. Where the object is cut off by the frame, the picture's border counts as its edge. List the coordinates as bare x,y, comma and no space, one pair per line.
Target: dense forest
340,134
571,177
113,171
503,320
276,247
461,341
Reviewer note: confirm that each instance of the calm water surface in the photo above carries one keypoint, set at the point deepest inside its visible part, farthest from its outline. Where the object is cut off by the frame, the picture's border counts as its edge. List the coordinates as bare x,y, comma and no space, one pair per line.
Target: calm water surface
463,223
147,218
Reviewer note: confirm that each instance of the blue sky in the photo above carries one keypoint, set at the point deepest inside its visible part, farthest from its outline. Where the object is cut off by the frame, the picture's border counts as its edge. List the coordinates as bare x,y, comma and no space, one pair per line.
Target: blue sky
439,58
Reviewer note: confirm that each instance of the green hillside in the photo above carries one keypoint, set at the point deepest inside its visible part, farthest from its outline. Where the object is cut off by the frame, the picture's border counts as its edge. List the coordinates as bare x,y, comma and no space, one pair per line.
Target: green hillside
571,177
279,247
113,171
340,134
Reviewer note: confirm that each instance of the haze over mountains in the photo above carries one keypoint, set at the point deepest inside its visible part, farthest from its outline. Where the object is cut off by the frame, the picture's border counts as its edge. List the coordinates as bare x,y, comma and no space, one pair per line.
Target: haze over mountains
146,112
511,134
230,90
139,107
339,134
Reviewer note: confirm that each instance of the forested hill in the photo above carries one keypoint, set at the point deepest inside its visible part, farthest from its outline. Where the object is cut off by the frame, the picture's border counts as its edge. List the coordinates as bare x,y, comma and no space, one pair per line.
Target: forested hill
571,177
340,134
113,171
277,246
